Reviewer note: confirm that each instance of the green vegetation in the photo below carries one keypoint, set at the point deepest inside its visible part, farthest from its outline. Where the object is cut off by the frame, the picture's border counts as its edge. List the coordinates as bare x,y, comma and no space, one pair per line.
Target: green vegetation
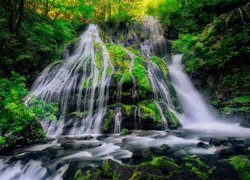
19,124
120,59
161,64
123,132
141,76
173,121
149,110
213,38
42,110
195,165
241,164
107,125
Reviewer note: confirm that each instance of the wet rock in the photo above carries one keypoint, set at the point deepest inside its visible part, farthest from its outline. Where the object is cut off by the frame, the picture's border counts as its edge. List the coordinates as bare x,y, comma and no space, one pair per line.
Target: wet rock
113,169
183,175
141,155
148,168
203,145
166,165
218,141
63,140
162,150
90,145
180,153
224,170
224,151
86,137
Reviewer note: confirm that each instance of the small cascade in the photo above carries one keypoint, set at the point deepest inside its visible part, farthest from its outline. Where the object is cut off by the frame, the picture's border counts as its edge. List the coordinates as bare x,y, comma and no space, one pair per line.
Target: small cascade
198,115
78,83
156,44
241,15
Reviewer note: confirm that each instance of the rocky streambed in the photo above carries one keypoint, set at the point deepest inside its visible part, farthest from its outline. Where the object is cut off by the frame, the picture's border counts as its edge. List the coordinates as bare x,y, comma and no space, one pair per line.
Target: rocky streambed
175,154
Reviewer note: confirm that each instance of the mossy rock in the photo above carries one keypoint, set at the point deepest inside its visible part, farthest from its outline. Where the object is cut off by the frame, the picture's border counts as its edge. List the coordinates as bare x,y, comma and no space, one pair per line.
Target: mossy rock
92,174
242,165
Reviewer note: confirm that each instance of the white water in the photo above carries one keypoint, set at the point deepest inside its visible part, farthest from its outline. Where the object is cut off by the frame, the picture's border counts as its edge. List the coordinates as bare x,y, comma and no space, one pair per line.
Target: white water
63,83
197,114
156,44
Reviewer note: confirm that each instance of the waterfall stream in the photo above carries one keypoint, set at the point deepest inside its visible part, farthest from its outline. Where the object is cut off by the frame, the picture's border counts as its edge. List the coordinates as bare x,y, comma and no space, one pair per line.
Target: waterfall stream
198,115
63,83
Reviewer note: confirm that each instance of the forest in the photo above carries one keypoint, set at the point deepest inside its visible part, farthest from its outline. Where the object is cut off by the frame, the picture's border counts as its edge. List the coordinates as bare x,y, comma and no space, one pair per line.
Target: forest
124,89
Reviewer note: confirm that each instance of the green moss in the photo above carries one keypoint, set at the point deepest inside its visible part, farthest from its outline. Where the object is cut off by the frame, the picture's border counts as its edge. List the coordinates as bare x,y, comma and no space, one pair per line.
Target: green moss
162,162
173,121
79,114
149,110
92,174
85,84
229,110
142,175
161,64
127,78
128,108
241,164
88,82
79,176
195,165
242,99
118,75
99,58
120,59
107,121
108,172
109,71
123,132
141,76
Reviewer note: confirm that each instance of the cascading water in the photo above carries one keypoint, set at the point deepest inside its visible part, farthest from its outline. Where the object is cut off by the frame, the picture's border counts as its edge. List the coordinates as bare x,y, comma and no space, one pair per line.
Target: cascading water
64,83
197,114
80,83
156,44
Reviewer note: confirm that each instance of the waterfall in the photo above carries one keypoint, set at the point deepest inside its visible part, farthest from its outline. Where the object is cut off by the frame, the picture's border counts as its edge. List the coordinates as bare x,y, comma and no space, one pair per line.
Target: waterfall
198,115
78,83
156,44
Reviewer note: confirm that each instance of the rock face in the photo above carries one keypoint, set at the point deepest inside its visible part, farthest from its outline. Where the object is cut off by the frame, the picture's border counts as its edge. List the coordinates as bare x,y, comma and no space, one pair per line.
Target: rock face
101,86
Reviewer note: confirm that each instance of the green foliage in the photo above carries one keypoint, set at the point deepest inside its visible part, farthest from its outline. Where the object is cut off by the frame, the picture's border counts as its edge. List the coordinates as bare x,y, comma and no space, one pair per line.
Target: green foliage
120,59
162,162
241,164
195,165
245,99
91,174
99,56
119,20
141,76
43,110
191,16
107,121
106,170
149,110
173,121
18,123
123,132
161,64
184,42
